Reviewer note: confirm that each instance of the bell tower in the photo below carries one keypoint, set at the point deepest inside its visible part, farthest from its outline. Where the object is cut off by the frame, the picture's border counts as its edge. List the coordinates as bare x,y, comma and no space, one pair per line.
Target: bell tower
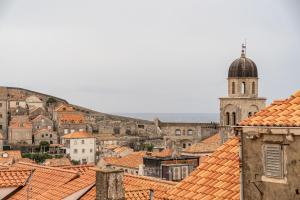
242,100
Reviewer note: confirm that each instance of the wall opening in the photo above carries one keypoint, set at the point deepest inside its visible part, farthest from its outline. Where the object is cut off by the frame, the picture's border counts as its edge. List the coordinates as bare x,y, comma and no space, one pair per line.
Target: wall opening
233,87
227,118
253,87
243,88
233,118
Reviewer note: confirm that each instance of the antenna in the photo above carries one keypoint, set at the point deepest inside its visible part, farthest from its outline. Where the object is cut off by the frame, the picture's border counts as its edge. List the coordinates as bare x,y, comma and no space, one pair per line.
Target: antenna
244,49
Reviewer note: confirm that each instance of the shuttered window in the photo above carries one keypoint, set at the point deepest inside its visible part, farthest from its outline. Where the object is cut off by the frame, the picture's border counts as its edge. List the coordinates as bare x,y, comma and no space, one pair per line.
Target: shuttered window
273,160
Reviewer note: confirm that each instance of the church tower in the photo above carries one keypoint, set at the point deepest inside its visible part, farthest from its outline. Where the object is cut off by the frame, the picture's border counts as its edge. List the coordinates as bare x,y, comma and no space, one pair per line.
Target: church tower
242,100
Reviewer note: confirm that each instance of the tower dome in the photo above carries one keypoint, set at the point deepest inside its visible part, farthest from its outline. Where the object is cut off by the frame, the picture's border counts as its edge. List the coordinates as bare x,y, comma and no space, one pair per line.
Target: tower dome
243,67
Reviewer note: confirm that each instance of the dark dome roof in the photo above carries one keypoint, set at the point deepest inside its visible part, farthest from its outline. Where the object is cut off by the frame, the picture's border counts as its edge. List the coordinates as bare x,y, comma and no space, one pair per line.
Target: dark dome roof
242,67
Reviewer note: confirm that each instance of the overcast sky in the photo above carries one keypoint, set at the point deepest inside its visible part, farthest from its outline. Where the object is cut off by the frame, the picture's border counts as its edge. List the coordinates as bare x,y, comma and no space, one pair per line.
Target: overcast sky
147,56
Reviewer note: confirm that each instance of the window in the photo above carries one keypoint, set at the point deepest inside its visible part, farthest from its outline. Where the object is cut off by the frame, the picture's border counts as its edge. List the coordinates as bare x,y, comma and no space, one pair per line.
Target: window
49,127
91,150
83,150
82,141
75,151
184,145
1,115
51,142
273,160
0,104
42,135
116,130
243,88
249,114
176,173
233,87
253,87
227,118
46,134
51,135
184,171
17,103
72,130
190,132
141,126
233,118
177,132
66,131
1,126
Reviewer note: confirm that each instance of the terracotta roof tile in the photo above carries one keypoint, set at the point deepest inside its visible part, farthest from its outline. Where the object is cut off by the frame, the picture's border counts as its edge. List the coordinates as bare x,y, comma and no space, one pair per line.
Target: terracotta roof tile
14,177
216,178
208,145
132,160
56,162
82,169
279,113
138,188
80,134
43,179
71,118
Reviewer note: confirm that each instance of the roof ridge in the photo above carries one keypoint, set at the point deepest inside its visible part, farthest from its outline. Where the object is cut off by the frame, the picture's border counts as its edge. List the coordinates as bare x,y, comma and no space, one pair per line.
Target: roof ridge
151,179
47,167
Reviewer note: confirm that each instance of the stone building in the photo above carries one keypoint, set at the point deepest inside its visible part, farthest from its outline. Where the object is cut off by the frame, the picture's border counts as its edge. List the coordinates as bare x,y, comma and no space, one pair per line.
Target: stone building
182,135
270,152
69,123
42,122
44,135
3,111
20,130
242,100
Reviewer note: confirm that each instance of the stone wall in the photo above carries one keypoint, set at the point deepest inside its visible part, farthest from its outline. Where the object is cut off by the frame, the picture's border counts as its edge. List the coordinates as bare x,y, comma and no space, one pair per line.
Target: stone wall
257,187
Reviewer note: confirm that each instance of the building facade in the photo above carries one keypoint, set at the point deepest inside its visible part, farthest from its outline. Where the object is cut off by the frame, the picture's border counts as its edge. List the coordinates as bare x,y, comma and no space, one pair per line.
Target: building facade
80,146
270,152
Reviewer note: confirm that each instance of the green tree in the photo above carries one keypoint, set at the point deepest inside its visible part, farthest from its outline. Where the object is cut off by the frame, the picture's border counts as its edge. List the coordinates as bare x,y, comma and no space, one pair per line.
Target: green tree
44,146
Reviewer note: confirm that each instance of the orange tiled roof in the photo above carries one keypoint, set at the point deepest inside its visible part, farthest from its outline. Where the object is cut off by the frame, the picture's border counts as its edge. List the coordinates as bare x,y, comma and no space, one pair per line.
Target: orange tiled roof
60,192
14,178
12,155
164,153
82,169
79,134
43,179
138,188
56,162
71,118
131,161
208,145
122,149
279,113
218,177
64,108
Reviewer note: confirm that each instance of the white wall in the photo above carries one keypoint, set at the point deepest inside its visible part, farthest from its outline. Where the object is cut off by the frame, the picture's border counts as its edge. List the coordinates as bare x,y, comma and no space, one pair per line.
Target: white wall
89,147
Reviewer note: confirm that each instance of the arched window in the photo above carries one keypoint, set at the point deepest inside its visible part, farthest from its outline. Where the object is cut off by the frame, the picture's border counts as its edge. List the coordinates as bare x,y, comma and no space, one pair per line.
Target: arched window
233,118
233,87
243,88
227,118
190,132
253,87
177,132
249,114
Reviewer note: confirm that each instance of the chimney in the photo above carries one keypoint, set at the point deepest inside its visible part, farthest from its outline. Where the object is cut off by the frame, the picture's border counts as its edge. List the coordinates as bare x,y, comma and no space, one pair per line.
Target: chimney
109,184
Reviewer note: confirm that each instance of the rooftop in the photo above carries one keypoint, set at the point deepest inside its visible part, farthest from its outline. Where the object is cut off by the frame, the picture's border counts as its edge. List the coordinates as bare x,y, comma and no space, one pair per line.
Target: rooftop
132,160
77,135
14,177
208,145
217,177
279,113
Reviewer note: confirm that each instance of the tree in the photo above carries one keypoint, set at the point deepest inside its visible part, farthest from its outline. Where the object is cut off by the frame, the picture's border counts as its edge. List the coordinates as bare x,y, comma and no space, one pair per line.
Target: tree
51,100
44,146
75,162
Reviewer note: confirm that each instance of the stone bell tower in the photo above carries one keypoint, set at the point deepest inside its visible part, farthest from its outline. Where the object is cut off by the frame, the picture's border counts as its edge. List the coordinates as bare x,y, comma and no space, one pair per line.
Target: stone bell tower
242,100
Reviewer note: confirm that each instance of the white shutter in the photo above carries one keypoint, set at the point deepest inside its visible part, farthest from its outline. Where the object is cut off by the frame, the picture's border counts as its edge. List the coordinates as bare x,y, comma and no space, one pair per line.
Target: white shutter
184,171
176,173
273,160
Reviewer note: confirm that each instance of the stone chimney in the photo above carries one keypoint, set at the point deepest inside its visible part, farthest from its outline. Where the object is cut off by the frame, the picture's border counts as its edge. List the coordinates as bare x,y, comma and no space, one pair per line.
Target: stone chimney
109,184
